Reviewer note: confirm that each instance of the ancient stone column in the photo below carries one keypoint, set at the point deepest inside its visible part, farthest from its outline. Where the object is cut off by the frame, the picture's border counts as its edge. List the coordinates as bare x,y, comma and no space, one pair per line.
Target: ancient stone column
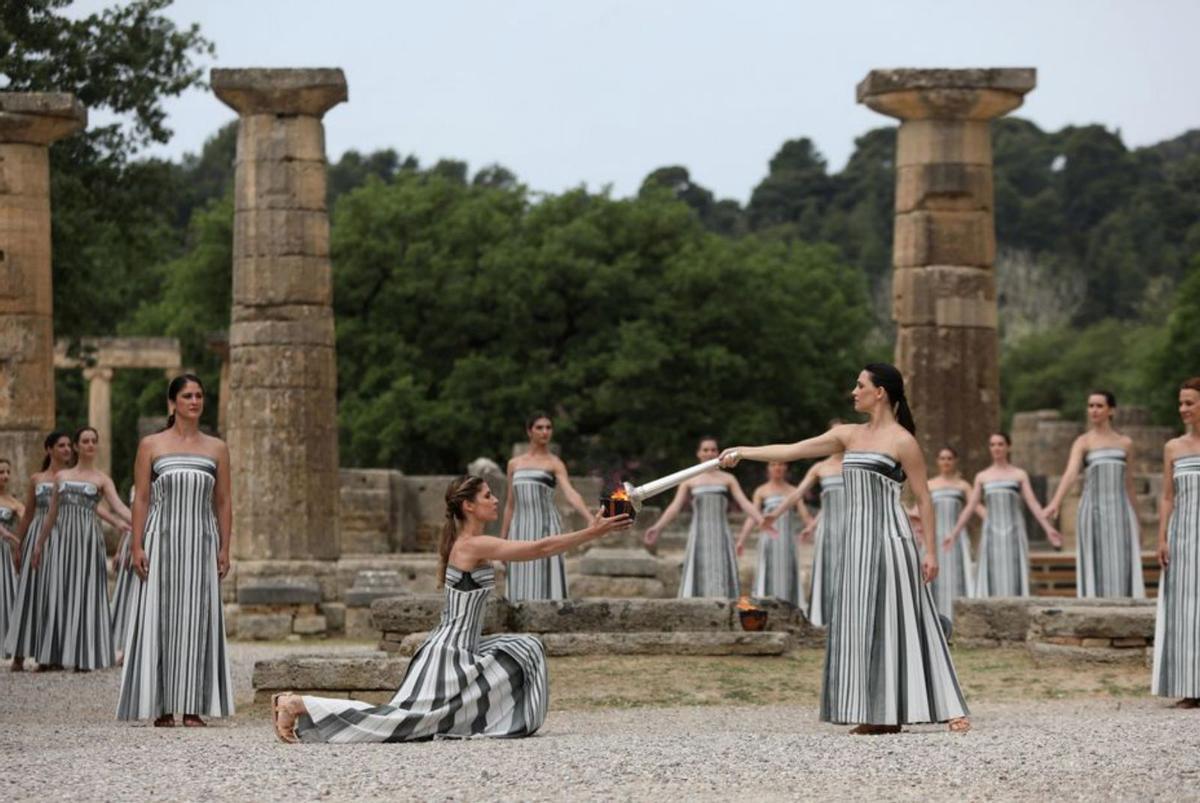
99,381
29,122
282,406
943,287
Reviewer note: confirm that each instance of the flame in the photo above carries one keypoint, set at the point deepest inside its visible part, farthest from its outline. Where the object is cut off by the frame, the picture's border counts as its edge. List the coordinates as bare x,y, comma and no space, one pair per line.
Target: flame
744,604
620,494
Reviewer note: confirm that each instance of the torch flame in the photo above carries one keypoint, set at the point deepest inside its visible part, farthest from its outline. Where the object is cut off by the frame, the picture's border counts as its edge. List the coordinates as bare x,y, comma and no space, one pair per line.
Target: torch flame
619,494
744,604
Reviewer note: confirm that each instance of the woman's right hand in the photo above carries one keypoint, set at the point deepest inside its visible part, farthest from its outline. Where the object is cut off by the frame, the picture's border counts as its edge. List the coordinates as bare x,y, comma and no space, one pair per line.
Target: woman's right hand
1051,511
36,562
809,529
650,537
603,525
730,457
137,557
1164,554
948,542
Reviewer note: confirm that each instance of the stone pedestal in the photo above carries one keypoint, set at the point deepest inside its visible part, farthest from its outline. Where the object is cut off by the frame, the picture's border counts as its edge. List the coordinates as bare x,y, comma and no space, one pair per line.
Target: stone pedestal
943,288
282,405
29,122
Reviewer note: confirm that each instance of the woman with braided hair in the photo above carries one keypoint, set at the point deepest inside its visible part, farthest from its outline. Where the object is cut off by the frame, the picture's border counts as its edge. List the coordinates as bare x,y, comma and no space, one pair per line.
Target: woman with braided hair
457,685
886,660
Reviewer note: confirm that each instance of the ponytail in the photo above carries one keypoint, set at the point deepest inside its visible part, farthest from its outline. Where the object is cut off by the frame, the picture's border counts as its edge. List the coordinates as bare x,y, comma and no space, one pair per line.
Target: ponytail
888,377
904,416
445,544
170,422
458,491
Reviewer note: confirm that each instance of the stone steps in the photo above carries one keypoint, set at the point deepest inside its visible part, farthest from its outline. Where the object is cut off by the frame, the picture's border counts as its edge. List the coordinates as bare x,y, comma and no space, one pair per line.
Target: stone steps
644,643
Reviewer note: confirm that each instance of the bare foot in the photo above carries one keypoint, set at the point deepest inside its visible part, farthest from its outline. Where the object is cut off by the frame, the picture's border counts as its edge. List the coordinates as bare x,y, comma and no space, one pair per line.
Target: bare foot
193,721
874,730
1187,702
959,725
283,713
165,721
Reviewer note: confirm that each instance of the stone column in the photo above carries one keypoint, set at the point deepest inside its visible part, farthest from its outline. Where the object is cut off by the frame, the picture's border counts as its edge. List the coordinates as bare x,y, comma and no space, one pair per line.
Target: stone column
282,406
99,381
943,287
29,122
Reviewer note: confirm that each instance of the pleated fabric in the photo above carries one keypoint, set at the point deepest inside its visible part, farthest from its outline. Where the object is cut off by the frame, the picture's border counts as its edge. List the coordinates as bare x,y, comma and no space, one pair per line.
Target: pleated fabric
778,573
1109,543
25,620
1004,547
75,629
956,575
458,685
710,565
176,658
827,553
8,575
886,660
122,599
534,518
1177,629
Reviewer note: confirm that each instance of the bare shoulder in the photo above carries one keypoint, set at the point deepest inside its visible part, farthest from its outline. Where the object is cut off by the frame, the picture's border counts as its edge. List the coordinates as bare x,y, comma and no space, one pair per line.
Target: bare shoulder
1022,474
215,446
846,432
1171,447
514,463
1127,443
964,486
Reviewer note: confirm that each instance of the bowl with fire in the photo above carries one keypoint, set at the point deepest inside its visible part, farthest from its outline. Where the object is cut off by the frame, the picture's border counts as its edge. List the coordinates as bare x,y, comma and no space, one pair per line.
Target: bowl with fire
616,502
753,617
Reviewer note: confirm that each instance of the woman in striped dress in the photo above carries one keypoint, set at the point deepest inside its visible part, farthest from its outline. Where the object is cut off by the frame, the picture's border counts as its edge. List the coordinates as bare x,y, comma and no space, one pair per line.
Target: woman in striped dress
1177,631
11,511
949,491
1004,548
710,566
457,684
122,597
26,618
176,659
778,572
530,513
1108,537
829,524
71,557
886,660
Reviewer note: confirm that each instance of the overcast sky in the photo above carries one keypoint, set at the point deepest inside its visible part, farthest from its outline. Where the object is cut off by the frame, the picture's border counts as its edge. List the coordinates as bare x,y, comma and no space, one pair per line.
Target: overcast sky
565,92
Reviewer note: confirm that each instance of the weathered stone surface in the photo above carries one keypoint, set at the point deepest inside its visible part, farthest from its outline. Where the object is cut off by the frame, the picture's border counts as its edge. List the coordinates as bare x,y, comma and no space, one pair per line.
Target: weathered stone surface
943,185
648,643
310,625
988,621
323,572
278,591
945,237
943,295
335,616
308,91
945,142
1094,623
373,584
589,585
419,613
971,94
39,118
611,562
359,624
1063,655
263,626
371,513
621,615
317,672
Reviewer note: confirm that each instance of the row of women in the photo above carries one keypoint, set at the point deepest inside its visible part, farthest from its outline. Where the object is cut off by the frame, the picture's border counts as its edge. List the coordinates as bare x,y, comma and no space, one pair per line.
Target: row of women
165,620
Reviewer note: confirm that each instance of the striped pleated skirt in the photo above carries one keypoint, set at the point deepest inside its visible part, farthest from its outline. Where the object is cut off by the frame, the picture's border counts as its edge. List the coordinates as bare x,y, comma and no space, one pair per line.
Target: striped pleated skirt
827,553
956,576
1176,670
122,598
1107,533
709,565
8,574
777,573
21,641
1004,547
535,517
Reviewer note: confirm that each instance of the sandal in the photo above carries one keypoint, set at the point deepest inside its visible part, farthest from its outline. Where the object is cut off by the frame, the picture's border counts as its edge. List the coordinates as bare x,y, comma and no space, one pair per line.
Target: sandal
874,730
165,721
286,735
193,721
1187,702
959,725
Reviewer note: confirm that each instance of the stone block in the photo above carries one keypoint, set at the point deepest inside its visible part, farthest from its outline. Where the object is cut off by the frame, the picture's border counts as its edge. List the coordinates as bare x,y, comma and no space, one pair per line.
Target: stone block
586,585
1091,623
944,295
232,612
366,511
278,591
335,616
1130,642
610,562
288,279
263,626
25,171
310,625
368,671
944,185
280,184
285,93
39,117
944,237
418,613
649,643
622,615
359,624
1061,655
277,233
373,584
998,619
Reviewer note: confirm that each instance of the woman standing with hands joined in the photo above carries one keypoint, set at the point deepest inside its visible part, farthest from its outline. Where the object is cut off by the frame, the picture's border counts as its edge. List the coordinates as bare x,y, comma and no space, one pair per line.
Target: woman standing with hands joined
75,630
530,513
886,660
1004,548
950,492
710,566
778,572
1177,631
1109,541
176,660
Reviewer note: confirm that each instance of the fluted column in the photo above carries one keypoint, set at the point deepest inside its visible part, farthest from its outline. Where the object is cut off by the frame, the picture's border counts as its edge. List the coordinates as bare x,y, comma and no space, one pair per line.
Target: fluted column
943,286
282,384
29,122
99,381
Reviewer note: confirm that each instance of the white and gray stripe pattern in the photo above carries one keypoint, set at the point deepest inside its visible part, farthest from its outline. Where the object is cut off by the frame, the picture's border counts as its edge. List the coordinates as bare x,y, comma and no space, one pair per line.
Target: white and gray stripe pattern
176,659
457,685
1110,555
21,640
956,576
1004,548
122,599
1177,631
827,552
778,573
710,565
886,660
75,630
534,518
8,575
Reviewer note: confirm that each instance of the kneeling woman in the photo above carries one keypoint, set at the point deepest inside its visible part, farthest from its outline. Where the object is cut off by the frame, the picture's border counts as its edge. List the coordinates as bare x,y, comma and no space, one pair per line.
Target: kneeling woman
457,684
886,660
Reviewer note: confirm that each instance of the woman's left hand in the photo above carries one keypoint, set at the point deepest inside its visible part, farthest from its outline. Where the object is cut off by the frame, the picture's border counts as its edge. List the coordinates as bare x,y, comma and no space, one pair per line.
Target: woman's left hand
223,563
929,566
730,457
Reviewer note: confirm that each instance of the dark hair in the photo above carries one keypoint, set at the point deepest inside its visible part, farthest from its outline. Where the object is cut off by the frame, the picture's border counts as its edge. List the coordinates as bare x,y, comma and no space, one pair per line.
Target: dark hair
712,438
458,491
49,443
178,384
534,417
887,376
950,449
1191,384
1002,434
6,461
79,433
1109,398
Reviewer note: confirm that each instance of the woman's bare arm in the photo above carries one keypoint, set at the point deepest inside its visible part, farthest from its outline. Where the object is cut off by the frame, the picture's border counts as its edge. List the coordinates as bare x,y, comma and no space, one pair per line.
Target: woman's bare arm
823,445
1166,504
1038,511
573,497
508,500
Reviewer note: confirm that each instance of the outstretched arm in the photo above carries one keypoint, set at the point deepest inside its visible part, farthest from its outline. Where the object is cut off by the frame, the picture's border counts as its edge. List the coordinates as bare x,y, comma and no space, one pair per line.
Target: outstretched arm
115,521
796,498
1039,512
747,507
831,442
485,547
681,497
115,503
508,502
572,495
971,505
1067,482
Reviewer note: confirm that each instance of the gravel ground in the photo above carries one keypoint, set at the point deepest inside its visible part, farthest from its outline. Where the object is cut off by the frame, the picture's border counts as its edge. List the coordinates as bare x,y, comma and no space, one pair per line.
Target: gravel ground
58,740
